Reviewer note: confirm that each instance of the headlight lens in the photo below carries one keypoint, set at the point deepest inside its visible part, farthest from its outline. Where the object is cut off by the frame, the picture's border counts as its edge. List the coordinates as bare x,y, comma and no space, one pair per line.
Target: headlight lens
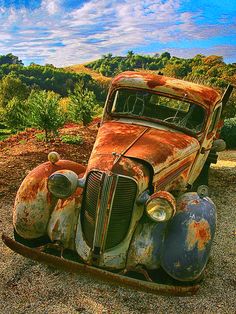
62,183
161,206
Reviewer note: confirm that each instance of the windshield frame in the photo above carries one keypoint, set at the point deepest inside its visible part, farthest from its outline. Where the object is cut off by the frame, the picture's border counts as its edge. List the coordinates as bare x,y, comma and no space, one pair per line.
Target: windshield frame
112,115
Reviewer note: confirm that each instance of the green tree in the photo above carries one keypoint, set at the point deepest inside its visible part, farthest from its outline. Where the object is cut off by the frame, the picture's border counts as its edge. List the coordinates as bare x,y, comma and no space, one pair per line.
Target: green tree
165,55
45,112
17,114
82,104
10,87
10,59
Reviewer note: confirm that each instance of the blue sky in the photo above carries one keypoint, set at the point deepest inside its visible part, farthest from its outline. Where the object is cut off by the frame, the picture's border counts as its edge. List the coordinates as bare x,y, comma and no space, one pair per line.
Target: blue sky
66,32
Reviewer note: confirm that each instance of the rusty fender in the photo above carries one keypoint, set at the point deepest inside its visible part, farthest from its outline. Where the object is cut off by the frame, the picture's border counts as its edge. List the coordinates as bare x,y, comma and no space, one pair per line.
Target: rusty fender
34,203
189,236
71,266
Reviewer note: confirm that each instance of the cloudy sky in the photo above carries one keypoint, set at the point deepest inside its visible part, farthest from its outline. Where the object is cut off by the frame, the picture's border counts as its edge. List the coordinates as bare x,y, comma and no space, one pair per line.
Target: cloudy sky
66,32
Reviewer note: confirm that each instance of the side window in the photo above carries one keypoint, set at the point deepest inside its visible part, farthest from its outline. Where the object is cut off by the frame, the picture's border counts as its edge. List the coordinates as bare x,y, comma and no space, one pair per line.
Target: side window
215,119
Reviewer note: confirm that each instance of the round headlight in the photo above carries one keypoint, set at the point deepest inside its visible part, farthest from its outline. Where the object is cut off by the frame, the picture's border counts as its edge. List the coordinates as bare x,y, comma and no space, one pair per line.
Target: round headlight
53,157
62,183
161,206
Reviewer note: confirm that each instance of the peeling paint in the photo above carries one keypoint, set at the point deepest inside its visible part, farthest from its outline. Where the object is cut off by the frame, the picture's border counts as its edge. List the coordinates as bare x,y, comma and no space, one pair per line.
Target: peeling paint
199,234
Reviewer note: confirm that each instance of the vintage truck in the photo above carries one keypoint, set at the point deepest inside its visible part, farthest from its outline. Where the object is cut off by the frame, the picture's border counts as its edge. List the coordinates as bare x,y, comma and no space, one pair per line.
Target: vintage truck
139,213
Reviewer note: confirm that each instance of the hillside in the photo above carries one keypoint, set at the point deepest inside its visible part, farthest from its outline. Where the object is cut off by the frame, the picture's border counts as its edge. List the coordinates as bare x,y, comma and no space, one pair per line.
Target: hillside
81,68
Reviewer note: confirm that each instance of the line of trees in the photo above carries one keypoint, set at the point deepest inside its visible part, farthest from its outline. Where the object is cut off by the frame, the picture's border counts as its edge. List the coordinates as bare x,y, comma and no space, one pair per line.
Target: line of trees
45,96
207,70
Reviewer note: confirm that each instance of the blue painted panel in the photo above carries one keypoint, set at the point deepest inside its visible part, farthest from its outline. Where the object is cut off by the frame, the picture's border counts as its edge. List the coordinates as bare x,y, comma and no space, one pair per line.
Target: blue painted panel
189,237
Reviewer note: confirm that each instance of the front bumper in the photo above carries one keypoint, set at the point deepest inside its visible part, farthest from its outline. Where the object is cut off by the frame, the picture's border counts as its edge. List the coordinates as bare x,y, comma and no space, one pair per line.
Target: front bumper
71,266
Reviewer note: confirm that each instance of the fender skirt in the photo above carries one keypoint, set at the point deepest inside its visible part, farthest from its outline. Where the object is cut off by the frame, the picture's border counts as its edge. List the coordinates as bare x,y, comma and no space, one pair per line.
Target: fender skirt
71,266
189,237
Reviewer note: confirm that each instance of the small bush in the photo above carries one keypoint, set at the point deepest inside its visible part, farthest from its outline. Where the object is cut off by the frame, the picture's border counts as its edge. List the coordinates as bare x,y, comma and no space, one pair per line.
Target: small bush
40,137
45,112
16,114
228,132
72,139
82,104
5,133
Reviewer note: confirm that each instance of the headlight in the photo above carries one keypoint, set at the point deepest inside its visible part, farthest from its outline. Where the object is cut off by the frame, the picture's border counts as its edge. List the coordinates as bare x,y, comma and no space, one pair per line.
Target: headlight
161,206
62,183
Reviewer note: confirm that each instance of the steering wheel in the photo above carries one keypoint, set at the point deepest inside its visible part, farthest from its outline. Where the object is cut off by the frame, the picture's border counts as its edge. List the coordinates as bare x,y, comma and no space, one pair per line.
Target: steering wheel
173,119
180,121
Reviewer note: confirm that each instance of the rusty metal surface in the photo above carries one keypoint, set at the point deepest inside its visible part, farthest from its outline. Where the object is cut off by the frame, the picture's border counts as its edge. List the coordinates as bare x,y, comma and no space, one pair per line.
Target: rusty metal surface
63,221
160,148
95,272
34,203
170,86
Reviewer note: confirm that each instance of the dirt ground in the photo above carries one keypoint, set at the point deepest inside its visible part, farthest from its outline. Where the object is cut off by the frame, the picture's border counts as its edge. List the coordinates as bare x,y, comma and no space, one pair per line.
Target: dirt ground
30,287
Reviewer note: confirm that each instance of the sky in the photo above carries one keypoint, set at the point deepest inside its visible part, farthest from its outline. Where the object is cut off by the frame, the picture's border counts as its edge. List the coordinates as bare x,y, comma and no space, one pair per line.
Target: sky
67,32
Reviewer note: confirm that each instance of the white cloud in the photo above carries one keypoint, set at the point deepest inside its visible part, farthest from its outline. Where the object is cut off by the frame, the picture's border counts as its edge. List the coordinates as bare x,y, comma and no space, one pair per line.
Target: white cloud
51,6
64,37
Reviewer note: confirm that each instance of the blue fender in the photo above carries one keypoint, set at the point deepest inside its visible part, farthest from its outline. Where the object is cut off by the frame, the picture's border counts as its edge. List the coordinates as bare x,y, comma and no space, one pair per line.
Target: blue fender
189,237
145,247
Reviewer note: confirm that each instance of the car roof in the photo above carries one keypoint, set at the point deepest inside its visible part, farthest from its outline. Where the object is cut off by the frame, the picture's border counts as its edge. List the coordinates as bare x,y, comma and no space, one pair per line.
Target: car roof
168,86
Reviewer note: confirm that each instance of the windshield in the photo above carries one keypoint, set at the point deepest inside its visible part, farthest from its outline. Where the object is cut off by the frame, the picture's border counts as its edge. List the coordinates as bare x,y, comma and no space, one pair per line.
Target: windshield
141,103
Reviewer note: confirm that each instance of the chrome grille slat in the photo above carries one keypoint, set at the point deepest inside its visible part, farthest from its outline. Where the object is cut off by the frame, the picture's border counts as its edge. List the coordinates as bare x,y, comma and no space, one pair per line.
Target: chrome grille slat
90,204
98,195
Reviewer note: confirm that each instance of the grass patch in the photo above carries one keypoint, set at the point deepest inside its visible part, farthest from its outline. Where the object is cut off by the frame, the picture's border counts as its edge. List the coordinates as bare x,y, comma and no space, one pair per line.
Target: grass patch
72,139
5,133
40,137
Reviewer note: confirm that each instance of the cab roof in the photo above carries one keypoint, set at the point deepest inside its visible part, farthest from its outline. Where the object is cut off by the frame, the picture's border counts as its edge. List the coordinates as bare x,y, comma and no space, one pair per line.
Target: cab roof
169,86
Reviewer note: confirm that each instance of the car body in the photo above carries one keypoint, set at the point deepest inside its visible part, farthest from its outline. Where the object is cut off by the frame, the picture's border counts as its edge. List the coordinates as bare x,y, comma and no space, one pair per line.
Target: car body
133,208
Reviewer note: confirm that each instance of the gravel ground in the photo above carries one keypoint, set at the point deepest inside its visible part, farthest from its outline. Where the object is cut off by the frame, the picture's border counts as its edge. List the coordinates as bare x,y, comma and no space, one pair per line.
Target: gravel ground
29,287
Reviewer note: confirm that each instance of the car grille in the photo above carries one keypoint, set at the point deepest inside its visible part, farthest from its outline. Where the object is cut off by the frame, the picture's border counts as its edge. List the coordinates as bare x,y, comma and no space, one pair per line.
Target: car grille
100,190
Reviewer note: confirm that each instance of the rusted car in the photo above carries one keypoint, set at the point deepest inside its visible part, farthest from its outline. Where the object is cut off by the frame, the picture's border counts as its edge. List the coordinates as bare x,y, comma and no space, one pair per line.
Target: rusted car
139,213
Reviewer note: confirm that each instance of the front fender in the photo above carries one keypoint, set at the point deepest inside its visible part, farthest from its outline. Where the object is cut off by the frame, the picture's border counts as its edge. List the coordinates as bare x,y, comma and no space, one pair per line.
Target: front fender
189,237
34,203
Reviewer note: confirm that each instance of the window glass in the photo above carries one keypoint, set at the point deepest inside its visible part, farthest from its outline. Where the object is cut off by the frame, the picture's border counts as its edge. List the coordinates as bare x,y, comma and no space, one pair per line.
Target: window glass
139,103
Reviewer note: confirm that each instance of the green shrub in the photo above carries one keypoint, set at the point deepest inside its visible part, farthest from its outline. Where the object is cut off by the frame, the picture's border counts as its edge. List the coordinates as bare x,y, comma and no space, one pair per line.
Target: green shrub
45,112
40,137
5,133
16,114
228,132
72,139
82,104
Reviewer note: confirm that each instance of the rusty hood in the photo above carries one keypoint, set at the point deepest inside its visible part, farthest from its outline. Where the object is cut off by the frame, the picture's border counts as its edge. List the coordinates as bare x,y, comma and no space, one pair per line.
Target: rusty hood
160,148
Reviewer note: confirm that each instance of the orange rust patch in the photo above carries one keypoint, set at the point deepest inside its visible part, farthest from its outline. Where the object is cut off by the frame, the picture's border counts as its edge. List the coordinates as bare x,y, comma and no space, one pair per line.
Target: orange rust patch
198,234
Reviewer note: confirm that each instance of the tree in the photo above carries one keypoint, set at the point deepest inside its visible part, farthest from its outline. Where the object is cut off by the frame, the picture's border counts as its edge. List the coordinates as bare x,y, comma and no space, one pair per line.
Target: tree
10,87
45,112
10,59
82,104
166,55
16,114
176,70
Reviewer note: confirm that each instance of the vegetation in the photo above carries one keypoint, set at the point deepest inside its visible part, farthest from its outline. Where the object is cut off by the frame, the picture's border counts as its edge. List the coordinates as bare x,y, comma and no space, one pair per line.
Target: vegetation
82,104
45,112
228,132
207,70
46,96
72,139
